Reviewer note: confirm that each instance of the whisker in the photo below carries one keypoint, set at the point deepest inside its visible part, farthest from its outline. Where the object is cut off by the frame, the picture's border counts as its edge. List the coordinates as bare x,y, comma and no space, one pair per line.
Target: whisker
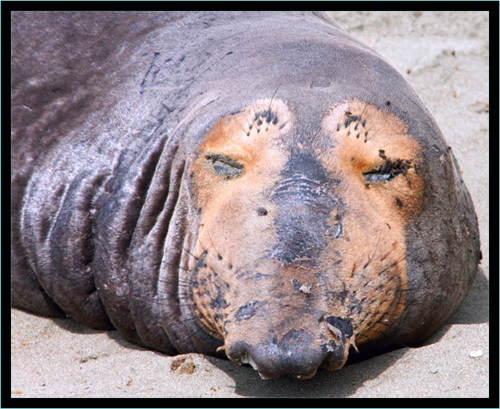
386,325
371,257
274,94
363,111
219,256
394,264
170,295
176,266
191,254
242,127
199,329
384,257
315,135
417,288
188,319
179,281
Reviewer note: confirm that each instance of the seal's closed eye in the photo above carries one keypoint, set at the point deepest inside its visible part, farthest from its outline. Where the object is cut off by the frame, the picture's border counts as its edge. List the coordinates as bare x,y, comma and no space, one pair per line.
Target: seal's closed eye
388,171
224,166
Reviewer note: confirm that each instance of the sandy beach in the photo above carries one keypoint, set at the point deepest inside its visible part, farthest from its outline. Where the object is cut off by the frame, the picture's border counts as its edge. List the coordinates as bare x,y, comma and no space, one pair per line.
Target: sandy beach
444,55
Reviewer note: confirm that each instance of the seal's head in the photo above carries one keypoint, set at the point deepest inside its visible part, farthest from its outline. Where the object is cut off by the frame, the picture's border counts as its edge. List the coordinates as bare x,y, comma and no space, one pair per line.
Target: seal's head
301,247
326,213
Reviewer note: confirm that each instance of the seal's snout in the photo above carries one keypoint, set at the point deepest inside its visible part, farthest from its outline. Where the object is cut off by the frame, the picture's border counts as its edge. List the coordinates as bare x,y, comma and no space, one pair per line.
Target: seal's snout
296,354
293,355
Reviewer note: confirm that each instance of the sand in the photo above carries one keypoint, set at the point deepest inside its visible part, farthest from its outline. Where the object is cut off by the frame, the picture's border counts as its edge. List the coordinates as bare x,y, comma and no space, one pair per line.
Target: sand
444,55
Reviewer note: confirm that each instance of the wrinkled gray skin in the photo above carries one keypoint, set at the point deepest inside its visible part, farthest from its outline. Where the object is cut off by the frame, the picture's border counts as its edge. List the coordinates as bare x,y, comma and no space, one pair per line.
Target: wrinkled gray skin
108,107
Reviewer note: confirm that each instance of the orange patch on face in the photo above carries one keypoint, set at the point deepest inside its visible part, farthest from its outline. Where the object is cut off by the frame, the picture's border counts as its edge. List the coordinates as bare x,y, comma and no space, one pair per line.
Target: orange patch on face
377,163
246,145
238,161
371,141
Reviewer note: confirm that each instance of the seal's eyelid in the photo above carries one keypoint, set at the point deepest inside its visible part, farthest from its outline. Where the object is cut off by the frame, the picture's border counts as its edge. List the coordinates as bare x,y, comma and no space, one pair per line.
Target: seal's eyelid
388,171
224,166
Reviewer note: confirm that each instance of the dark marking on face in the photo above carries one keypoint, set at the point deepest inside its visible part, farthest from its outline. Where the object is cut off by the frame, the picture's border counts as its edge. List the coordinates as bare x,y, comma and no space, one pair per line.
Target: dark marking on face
399,202
224,166
389,170
351,119
299,241
267,115
296,285
304,205
261,211
341,295
336,230
218,303
292,338
248,310
344,325
356,305
258,276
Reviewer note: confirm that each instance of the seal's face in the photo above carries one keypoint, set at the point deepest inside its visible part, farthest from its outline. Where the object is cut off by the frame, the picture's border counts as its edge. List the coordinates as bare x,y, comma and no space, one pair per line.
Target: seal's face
301,246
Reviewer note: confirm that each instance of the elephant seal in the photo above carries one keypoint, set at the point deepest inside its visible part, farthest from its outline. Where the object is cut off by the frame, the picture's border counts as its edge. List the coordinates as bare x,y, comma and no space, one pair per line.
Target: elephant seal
259,186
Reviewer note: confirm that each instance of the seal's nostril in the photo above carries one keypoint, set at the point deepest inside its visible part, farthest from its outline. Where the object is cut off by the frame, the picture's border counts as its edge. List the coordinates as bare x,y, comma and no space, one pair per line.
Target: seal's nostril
237,351
341,327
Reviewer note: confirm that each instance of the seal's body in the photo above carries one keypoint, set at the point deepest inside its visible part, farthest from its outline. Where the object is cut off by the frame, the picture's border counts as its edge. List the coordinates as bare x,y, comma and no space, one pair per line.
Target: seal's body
259,185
